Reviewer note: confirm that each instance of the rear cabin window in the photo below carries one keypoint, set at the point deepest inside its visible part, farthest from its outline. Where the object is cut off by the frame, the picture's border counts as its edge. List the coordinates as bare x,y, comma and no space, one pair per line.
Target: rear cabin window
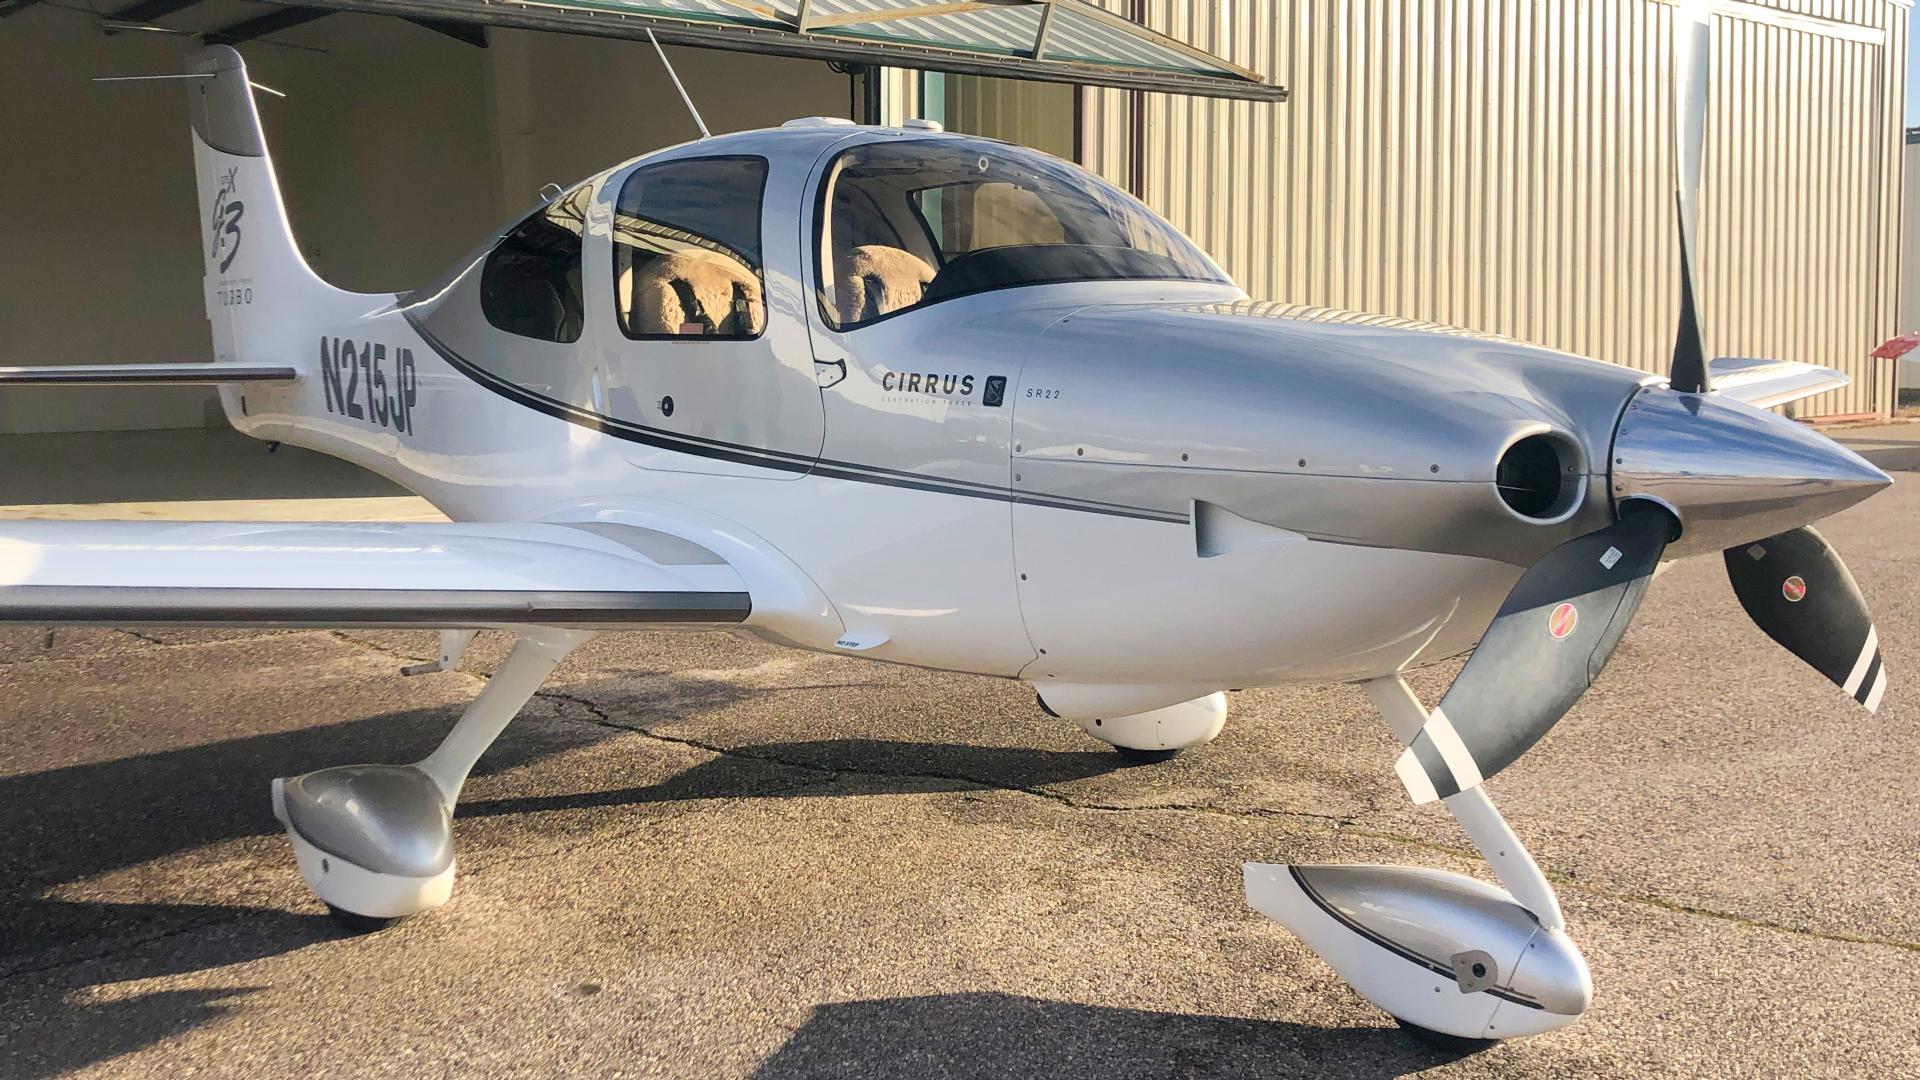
686,250
530,284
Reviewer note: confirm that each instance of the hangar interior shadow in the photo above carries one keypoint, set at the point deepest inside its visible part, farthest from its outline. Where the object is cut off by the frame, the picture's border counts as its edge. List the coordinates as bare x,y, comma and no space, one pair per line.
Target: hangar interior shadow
1000,1035
73,823
173,465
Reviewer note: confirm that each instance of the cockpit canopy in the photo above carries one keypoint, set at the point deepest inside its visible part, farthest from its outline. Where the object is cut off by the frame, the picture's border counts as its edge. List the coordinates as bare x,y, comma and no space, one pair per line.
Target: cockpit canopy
900,223
907,223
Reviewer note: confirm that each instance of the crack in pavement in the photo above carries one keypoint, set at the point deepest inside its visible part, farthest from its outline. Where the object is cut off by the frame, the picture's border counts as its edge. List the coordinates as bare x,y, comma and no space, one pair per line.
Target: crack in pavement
1341,823
602,719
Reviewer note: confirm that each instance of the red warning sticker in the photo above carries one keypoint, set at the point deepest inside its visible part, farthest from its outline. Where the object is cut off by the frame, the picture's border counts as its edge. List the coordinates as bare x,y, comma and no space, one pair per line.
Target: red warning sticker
1562,621
1794,588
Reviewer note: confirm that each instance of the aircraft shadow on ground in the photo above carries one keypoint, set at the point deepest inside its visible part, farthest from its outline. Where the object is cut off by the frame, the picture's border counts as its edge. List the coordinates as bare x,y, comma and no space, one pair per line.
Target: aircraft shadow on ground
1005,1035
82,821
70,824
803,769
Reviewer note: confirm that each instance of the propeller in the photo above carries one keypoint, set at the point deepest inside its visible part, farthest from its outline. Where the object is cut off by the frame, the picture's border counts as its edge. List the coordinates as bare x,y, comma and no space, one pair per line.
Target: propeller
1692,52
1556,630
1795,587
1564,617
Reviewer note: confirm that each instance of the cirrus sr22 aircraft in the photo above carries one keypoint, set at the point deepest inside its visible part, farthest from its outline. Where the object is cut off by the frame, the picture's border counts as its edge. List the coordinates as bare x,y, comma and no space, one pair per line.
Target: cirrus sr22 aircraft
942,401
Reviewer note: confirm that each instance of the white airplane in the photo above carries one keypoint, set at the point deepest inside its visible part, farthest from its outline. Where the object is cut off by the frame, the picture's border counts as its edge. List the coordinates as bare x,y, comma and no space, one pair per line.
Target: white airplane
942,401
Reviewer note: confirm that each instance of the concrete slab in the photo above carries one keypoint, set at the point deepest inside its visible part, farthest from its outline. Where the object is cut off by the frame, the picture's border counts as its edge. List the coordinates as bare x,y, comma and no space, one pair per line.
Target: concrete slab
700,856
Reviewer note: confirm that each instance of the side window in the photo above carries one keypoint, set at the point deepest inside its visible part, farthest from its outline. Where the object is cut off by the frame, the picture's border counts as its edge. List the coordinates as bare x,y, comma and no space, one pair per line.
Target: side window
686,249
530,284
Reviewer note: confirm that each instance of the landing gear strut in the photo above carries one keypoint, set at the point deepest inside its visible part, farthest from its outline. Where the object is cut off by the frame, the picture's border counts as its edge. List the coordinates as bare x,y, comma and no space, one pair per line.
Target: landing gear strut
1447,955
375,842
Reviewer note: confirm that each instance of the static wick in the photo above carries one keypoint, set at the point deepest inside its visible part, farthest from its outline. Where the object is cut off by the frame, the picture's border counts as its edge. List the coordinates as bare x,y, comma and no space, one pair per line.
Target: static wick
675,76
147,78
193,75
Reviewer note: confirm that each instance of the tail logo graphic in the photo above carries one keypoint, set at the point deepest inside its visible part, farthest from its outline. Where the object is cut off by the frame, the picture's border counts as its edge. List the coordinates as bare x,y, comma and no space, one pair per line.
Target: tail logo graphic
227,211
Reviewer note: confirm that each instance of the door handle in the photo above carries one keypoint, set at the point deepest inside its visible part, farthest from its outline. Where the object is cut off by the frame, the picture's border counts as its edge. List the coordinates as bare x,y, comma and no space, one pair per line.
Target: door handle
829,372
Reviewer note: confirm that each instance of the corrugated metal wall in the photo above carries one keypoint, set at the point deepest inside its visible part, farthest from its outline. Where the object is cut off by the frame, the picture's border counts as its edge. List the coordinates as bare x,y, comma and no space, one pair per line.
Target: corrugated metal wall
1506,165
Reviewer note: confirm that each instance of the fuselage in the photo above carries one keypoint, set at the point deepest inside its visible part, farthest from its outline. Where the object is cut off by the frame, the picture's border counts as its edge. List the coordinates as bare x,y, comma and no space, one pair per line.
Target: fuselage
1145,482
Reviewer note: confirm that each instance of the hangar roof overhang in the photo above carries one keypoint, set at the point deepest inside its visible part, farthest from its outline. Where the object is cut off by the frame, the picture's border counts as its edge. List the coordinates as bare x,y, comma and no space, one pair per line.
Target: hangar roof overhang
1069,41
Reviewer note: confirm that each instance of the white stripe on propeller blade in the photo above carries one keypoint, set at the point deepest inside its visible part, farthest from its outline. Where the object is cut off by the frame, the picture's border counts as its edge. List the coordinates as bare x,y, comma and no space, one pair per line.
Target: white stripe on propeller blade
1419,785
1860,666
1879,688
1466,771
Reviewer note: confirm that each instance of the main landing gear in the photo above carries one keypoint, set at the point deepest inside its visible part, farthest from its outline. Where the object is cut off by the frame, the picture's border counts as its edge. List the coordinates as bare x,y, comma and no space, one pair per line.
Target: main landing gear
375,842
1450,957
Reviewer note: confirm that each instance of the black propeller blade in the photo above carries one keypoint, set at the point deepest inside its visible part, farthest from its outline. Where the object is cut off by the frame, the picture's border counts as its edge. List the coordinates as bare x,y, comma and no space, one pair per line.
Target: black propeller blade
1549,641
1797,589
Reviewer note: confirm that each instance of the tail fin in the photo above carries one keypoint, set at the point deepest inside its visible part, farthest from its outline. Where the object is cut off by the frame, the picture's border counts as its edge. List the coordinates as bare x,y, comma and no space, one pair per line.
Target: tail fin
257,282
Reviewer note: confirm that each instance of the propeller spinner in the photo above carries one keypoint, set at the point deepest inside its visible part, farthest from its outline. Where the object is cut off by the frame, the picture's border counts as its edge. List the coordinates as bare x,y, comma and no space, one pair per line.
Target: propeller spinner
1690,473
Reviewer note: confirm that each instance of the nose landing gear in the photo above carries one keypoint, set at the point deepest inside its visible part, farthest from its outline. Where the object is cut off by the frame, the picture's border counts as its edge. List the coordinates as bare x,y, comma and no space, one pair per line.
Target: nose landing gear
1447,955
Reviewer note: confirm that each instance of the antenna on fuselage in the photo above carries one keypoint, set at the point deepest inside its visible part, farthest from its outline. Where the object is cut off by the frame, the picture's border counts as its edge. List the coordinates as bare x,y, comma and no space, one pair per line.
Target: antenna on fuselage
675,76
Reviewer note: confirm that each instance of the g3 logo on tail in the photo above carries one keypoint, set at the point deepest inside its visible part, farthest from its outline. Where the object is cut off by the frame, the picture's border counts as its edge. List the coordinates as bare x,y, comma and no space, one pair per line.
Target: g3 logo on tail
227,212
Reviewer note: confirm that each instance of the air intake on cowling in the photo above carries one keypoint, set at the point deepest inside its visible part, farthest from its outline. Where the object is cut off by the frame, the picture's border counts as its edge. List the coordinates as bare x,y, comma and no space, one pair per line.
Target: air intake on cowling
1532,478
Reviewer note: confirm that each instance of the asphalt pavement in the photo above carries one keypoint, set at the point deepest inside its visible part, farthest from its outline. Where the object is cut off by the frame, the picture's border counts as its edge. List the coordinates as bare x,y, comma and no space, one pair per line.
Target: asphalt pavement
696,855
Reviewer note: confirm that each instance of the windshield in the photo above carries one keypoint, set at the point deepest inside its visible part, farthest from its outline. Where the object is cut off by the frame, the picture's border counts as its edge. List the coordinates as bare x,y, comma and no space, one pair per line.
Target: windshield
910,223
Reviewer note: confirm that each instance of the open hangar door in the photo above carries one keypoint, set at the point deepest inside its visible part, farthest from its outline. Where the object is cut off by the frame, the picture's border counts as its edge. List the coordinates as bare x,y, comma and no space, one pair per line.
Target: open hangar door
409,129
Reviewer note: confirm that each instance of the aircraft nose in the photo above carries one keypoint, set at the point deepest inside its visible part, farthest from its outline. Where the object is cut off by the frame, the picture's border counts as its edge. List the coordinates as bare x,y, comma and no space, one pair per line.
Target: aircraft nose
1732,473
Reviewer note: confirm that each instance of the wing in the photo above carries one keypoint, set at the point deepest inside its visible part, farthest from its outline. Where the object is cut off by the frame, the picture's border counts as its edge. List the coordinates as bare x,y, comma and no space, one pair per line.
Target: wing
459,575
1766,383
145,374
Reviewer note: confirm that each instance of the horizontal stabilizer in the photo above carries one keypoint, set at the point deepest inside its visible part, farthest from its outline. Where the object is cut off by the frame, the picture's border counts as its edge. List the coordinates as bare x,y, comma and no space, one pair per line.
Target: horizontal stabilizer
145,374
459,575
1766,383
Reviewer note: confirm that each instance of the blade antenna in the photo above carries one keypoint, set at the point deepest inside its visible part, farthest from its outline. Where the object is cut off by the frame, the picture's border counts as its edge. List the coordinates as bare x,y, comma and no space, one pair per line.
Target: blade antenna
1692,46
675,76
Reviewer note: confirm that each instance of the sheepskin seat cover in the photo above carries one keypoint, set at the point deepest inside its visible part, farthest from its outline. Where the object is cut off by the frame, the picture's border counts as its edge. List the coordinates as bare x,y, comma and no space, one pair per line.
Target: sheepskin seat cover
654,305
876,279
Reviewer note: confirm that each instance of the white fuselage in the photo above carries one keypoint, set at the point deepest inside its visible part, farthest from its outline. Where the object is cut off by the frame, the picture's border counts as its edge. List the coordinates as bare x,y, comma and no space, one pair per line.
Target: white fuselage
933,579
1129,493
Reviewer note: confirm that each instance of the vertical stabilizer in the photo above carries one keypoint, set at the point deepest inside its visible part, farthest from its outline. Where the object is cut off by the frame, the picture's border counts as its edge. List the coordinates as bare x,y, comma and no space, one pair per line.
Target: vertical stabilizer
257,283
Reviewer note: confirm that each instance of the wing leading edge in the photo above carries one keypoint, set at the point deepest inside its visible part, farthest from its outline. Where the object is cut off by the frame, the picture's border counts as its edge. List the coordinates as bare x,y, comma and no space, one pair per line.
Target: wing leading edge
452,576
1767,383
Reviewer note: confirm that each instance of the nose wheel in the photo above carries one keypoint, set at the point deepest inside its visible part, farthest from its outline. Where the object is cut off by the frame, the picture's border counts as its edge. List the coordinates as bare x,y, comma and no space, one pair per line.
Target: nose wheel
1440,1040
1134,755
355,923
